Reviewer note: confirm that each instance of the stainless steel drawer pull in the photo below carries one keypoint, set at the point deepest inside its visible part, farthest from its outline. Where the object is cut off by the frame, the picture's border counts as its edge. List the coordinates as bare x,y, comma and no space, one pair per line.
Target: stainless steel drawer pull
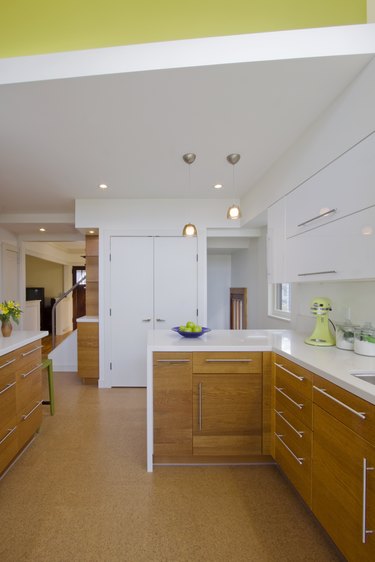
229,360
361,415
173,360
7,363
281,390
31,351
326,214
146,320
10,431
160,320
24,375
298,459
289,372
299,433
200,406
317,272
24,417
365,531
7,387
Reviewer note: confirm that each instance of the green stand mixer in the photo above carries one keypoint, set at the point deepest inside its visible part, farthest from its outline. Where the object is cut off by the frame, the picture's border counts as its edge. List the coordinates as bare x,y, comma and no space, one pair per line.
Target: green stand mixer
320,306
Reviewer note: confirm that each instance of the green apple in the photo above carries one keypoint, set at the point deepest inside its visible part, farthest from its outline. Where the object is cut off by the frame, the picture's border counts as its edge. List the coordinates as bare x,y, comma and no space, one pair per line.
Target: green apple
197,329
188,329
190,325
182,328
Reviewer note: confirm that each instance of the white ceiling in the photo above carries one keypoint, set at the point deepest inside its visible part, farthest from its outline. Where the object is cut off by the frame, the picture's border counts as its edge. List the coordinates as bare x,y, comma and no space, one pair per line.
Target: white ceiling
60,138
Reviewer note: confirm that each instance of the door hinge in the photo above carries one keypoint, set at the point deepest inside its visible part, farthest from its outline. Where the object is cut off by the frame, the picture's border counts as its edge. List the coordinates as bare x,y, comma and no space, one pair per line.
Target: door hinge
110,311
110,366
197,313
197,257
110,257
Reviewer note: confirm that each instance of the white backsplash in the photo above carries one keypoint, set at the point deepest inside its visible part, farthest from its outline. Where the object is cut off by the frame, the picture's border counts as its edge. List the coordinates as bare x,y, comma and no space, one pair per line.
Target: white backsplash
350,299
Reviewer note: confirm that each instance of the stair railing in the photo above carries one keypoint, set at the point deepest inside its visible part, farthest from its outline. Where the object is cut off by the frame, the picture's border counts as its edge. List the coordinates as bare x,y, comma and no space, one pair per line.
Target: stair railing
58,300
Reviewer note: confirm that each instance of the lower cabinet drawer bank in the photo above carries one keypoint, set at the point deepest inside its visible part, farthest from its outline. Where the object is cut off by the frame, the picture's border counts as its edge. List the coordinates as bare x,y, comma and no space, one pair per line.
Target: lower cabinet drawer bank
211,407
324,442
20,400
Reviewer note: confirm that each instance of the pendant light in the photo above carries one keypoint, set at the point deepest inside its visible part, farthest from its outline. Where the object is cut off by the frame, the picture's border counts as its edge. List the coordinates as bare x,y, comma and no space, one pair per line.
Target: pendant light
189,228
234,212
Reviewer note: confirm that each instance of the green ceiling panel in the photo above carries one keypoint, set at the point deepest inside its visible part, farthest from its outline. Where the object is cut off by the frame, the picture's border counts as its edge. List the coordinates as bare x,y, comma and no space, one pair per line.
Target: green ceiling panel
30,27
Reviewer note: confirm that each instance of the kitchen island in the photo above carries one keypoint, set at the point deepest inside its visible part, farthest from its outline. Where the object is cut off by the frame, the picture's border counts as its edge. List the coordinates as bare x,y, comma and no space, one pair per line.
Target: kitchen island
20,392
330,363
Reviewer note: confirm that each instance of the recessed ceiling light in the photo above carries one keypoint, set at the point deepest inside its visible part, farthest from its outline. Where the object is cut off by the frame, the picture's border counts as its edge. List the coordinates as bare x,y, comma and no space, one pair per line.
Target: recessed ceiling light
103,186
218,186
91,231
42,230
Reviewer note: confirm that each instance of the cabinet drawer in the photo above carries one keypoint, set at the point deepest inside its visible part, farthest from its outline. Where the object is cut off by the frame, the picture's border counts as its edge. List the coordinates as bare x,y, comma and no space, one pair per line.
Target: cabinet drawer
295,466
8,445
7,368
293,376
8,407
352,411
296,434
28,354
29,424
29,386
227,362
288,400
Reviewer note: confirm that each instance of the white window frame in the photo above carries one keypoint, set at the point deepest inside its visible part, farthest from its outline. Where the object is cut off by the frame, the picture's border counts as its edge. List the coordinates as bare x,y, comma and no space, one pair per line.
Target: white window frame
274,309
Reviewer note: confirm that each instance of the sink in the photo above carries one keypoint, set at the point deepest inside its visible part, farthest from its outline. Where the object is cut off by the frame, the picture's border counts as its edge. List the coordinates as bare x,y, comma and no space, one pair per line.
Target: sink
368,376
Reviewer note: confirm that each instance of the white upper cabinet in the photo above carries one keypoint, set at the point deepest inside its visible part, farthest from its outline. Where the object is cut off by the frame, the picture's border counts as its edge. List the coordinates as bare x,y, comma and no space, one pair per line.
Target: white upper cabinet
344,186
343,249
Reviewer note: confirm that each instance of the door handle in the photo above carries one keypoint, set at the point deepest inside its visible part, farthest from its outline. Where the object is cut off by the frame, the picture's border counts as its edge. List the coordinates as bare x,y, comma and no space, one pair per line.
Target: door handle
160,320
146,320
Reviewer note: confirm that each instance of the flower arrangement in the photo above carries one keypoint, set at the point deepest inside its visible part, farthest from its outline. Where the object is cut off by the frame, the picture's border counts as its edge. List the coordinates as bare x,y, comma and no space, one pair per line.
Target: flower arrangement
10,310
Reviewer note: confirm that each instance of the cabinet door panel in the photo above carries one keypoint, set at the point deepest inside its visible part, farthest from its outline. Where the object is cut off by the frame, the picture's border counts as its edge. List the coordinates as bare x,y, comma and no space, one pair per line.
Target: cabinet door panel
172,399
227,409
346,185
338,486
131,308
175,281
342,249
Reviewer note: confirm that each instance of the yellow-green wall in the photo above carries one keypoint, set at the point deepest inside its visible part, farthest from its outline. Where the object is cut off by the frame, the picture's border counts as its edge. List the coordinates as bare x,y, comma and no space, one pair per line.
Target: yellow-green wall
47,274
44,26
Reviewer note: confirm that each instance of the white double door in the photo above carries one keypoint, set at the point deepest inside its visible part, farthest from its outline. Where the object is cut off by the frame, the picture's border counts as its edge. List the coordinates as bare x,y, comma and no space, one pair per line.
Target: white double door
154,285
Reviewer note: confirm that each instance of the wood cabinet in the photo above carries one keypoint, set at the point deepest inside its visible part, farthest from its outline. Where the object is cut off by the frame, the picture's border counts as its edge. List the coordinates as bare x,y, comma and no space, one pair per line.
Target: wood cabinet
293,423
227,403
88,351
211,405
343,497
20,400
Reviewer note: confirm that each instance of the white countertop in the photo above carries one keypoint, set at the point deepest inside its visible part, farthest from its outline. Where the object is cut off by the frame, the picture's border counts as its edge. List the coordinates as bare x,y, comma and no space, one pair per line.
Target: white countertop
88,319
18,339
330,362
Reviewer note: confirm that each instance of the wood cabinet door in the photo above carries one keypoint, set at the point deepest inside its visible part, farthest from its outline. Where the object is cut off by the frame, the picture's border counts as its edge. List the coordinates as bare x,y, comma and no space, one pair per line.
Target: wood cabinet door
343,491
227,414
172,404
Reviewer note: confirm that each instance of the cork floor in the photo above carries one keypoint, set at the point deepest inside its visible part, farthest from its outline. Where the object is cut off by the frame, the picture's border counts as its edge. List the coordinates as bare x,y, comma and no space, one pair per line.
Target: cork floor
81,493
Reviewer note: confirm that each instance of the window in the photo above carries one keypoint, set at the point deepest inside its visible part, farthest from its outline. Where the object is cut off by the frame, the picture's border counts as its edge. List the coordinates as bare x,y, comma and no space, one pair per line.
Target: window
279,300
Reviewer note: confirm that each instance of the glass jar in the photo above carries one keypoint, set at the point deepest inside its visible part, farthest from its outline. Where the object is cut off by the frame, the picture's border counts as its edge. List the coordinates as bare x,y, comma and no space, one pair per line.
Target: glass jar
364,340
345,335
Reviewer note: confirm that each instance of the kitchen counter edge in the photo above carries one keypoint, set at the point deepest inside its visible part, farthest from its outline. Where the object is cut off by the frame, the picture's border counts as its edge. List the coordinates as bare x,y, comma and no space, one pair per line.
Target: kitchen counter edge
18,339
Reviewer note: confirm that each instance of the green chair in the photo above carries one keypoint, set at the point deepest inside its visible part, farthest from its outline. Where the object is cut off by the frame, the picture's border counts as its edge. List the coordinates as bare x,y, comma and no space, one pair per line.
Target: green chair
47,364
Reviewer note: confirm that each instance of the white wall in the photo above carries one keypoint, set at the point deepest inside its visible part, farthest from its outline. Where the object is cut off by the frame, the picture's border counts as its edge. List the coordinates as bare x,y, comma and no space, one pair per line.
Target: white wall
218,285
